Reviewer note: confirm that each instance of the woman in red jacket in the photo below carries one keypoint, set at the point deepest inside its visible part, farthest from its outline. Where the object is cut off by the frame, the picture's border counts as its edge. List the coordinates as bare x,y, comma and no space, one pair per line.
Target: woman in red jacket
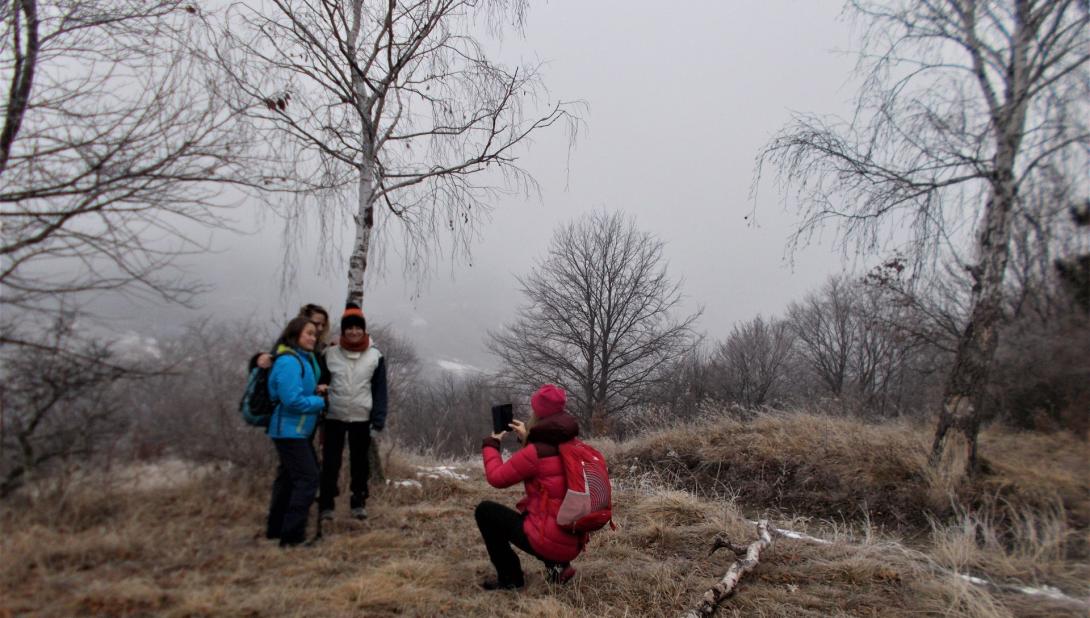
532,528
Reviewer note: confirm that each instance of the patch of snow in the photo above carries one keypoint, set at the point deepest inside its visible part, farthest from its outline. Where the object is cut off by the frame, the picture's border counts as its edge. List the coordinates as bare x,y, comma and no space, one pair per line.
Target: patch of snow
1046,591
1050,592
458,368
135,347
438,472
405,483
791,534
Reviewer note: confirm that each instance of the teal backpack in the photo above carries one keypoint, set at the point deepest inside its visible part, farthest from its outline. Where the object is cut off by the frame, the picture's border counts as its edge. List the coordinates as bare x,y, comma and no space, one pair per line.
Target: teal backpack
257,406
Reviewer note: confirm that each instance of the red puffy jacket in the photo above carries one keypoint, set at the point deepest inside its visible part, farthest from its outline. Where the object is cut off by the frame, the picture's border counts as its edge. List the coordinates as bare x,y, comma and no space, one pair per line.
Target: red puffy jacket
539,467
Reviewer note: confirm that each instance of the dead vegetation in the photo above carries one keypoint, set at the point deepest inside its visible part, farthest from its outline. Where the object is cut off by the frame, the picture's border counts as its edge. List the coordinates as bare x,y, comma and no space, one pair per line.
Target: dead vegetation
193,548
844,470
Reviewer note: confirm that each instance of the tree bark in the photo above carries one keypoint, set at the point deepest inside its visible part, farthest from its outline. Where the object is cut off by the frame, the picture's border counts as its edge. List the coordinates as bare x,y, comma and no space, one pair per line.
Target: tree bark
26,61
964,401
365,223
964,393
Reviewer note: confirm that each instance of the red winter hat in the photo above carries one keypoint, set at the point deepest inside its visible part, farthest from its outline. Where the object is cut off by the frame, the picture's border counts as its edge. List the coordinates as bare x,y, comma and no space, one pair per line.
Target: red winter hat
353,316
548,400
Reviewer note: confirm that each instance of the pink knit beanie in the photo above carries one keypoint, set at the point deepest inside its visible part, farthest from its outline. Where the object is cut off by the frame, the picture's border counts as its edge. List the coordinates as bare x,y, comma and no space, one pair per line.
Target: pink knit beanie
548,400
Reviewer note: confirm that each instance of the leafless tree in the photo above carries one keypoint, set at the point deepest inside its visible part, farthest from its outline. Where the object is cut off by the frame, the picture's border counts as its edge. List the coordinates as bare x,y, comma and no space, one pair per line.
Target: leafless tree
825,332
1074,269
598,319
865,342
752,360
191,408
402,361
447,415
396,104
109,152
1041,234
683,389
107,149
57,402
966,106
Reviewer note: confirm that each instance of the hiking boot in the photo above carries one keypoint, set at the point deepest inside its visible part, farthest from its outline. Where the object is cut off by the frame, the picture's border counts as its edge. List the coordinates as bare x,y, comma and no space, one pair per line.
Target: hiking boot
559,573
359,512
326,515
493,584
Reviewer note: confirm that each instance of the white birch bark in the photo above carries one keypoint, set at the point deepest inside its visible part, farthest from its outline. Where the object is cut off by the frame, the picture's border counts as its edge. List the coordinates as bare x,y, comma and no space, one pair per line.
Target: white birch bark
365,222
725,587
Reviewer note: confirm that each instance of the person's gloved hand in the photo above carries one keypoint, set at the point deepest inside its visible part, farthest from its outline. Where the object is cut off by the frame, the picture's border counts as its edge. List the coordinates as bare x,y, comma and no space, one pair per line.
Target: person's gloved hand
375,431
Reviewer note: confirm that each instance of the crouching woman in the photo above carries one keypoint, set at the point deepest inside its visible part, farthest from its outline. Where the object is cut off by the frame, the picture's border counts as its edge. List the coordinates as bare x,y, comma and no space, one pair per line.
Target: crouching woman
293,384
532,527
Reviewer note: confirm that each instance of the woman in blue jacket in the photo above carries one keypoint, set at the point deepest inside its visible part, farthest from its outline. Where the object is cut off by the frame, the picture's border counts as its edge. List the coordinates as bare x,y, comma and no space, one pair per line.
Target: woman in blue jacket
293,384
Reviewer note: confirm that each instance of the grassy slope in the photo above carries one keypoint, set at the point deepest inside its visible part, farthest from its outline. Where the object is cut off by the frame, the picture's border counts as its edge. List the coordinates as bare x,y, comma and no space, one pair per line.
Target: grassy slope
192,549
841,469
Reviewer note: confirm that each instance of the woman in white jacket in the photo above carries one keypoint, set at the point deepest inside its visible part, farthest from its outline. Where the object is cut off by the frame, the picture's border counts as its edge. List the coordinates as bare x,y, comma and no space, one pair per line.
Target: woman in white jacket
357,408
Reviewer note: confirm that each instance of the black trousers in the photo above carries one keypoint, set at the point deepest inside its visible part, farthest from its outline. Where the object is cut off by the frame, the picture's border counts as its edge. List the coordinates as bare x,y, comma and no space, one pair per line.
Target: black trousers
501,527
359,443
293,491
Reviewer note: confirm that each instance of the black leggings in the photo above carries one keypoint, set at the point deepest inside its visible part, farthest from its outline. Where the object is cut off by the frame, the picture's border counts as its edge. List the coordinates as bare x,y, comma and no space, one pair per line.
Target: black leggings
501,527
359,443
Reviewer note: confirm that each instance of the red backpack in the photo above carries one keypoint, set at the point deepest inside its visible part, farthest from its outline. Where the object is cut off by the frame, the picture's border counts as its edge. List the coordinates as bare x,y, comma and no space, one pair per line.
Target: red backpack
587,504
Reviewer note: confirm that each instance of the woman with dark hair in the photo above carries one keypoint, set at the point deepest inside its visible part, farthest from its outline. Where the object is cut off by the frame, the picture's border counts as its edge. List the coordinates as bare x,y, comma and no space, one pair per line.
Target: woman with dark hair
293,384
532,525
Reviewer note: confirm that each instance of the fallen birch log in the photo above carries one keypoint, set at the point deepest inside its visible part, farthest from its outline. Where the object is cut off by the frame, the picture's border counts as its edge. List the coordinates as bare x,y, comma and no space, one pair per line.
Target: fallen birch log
725,587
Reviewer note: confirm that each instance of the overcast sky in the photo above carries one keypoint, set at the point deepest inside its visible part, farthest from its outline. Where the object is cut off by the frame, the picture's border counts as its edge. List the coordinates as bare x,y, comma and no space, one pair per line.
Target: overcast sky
680,98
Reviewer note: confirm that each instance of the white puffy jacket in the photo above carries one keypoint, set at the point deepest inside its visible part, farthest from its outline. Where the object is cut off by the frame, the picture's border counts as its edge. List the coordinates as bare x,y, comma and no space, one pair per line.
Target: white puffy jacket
356,377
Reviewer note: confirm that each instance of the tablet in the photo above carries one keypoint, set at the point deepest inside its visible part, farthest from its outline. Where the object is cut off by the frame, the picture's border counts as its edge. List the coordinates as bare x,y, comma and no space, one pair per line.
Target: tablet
502,415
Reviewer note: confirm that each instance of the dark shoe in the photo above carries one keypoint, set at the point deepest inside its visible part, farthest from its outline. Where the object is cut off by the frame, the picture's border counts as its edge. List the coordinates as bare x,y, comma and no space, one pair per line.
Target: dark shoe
559,573
492,584
292,542
359,512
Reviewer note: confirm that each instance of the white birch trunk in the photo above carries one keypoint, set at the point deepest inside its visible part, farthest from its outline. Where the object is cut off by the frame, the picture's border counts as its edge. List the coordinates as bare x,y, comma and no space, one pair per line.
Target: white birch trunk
725,587
963,394
365,214
365,222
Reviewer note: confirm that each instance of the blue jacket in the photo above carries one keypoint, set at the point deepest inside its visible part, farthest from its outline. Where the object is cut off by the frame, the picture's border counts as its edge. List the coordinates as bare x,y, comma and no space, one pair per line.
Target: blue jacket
292,382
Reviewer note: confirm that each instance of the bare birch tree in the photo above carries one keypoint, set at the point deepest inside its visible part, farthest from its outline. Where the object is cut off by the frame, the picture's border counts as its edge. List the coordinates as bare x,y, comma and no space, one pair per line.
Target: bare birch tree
966,106
598,319
394,104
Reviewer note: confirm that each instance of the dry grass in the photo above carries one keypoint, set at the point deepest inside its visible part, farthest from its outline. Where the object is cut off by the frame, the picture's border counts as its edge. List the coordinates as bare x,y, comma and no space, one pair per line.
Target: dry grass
194,548
842,470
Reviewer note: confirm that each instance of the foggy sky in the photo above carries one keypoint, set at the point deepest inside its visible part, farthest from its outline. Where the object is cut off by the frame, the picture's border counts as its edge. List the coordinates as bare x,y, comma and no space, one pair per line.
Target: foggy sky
680,97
